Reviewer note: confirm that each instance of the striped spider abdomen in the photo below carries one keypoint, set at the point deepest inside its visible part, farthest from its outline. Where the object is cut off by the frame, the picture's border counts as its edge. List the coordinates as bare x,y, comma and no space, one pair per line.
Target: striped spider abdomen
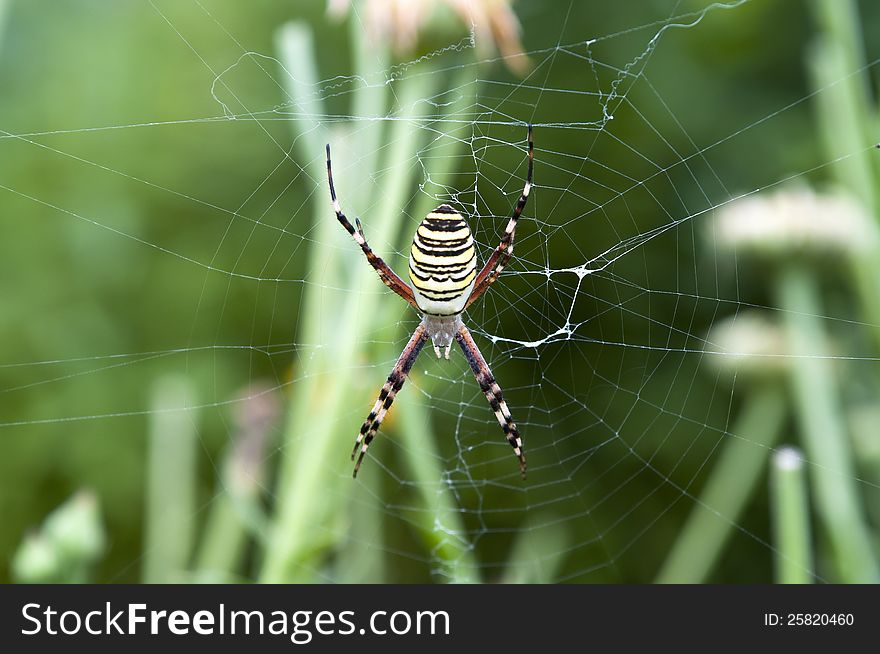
443,262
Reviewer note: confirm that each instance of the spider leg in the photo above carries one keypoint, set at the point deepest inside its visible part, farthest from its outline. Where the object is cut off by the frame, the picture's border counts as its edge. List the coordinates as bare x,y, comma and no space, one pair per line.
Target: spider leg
492,391
501,255
389,391
388,276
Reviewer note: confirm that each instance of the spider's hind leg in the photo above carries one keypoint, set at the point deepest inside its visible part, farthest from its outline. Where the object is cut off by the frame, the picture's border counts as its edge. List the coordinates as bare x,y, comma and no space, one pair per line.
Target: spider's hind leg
393,384
492,391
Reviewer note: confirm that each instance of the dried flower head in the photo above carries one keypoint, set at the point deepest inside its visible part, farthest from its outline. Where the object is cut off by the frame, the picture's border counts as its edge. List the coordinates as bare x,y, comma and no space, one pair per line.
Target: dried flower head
402,23
256,415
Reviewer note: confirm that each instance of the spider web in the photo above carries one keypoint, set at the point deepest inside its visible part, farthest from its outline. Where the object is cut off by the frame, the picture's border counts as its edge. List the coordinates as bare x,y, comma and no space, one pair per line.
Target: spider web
598,331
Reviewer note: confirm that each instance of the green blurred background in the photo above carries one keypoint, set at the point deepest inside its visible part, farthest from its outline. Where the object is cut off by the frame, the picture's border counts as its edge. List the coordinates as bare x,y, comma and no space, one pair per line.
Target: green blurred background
190,341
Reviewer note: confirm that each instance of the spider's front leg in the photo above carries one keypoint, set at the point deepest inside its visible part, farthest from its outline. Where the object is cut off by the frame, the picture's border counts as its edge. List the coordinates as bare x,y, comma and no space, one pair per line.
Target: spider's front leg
389,391
492,391
502,254
388,276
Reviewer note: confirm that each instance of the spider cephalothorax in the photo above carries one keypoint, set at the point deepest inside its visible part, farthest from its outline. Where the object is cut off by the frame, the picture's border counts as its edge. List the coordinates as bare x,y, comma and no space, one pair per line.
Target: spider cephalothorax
445,282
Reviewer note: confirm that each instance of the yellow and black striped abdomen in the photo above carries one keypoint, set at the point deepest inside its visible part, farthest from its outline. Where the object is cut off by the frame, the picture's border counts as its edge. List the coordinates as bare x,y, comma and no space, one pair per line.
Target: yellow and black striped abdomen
443,262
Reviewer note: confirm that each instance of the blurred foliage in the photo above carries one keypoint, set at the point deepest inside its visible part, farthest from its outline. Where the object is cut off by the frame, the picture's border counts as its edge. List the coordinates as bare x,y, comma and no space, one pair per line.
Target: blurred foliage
66,547
75,288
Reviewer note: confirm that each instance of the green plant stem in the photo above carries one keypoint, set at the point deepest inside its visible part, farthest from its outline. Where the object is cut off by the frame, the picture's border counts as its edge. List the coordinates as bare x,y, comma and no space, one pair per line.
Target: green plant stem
223,542
294,44
729,487
846,117
437,517
791,518
866,446
845,124
297,529
822,428
4,10
538,552
841,29
171,482
362,558
314,480
370,101
237,513
236,516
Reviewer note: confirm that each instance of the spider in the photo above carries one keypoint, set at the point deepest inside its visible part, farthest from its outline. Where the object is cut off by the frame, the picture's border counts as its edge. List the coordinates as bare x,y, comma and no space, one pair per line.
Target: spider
445,282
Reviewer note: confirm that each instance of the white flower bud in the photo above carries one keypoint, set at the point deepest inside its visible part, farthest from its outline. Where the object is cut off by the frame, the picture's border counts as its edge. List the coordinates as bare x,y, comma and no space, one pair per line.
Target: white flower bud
748,343
75,529
36,561
796,219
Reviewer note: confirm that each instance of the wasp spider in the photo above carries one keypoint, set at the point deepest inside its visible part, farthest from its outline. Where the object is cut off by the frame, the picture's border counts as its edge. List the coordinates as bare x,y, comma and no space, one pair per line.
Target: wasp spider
445,282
